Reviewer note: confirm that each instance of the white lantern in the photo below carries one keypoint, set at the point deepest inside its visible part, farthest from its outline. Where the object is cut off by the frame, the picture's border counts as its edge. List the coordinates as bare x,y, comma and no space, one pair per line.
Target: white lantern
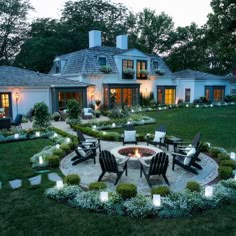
156,200
103,196
211,105
104,133
113,125
128,122
40,160
59,184
187,105
132,110
68,140
37,134
208,191
58,146
16,136
208,144
55,135
94,126
232,156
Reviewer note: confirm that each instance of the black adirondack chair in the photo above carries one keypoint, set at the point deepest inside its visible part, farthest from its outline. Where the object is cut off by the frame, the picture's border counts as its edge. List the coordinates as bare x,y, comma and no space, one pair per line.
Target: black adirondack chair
108,164
192,166
88,142
17,121
161,142
157,166
84,154
129,136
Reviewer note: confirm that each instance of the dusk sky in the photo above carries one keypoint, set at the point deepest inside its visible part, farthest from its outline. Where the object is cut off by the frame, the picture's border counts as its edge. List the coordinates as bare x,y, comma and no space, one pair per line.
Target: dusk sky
183,12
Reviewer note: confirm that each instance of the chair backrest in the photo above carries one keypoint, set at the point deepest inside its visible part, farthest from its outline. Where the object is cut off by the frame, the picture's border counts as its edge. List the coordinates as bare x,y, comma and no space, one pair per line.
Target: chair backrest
159,164
129,127
161,128
108,162
196,140
195,156
18,119
80,136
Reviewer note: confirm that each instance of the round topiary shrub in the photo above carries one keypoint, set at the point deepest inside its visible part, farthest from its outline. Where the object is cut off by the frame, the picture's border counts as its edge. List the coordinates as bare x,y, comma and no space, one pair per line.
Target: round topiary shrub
222,156
214,152
229,163
97,186
193,186
66,147
59,152
53,161
162,190
126,190
225,172
72,179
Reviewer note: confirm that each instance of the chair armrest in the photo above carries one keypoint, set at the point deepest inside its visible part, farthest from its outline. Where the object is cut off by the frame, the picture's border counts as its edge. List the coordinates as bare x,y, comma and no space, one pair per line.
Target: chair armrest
144,163
178,154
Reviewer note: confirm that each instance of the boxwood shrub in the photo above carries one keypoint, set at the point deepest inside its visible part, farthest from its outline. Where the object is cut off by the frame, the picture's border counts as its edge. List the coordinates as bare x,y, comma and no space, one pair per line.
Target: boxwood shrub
162,190
225,172
193,186
230,163
66,147
53,160
97,186
72,179
222,156
59,152
126,190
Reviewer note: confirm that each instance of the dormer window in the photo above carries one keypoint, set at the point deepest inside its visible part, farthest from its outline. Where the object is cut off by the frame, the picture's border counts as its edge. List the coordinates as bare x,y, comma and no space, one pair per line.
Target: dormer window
102,61
57,67
155,65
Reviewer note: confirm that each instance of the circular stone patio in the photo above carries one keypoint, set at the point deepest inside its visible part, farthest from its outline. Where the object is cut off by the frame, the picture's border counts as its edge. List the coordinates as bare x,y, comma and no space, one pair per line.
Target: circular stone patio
177,178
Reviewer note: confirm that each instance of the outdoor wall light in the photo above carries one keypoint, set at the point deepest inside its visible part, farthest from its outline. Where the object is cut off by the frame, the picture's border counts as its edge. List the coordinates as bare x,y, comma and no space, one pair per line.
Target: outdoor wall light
104,196
156,200
208,191
17,96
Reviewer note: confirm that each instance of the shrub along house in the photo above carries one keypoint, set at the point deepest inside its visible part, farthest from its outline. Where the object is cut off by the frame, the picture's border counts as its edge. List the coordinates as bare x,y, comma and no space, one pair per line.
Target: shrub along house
20,89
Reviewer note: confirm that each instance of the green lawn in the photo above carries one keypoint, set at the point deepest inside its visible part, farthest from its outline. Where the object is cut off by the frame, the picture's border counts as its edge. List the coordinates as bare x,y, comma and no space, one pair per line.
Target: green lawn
217,125
27,211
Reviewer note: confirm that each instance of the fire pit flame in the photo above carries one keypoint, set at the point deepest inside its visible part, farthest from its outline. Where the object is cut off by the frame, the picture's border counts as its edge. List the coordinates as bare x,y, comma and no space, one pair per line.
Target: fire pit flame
137,154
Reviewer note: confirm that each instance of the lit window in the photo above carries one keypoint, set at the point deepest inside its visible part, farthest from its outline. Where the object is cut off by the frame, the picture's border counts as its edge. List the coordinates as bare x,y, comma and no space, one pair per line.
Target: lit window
187,94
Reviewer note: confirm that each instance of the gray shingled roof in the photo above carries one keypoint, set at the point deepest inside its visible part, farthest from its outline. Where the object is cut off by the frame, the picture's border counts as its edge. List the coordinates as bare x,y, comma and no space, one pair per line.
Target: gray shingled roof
86,61
185,74
13,76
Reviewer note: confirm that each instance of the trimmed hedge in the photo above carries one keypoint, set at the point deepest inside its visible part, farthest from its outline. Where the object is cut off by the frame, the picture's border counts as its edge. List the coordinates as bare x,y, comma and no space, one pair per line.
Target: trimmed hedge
126,190
53,161
193,186
162,190
72,179
225,172
229,163
59,152
66,147
97,186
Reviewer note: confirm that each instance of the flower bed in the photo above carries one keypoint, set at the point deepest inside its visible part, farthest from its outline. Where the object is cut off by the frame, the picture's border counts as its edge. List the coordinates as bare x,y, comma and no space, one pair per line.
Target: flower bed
185,203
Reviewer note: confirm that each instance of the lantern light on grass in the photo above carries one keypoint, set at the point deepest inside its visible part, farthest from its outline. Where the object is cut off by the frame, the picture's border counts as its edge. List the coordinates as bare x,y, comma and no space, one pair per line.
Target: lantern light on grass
16,136
40,160
55,135
58,146
94,127
156,200
232,156
59,184
68,140
208,191
37,134
113,125
103,196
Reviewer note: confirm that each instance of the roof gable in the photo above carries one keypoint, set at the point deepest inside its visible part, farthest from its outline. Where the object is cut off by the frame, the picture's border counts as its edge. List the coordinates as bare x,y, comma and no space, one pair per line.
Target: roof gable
133,53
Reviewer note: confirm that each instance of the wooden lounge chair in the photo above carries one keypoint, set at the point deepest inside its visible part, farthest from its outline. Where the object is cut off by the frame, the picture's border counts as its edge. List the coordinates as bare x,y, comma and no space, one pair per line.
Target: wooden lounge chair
158,138
129,136
88,142
84,154
157,166
188,161
108,164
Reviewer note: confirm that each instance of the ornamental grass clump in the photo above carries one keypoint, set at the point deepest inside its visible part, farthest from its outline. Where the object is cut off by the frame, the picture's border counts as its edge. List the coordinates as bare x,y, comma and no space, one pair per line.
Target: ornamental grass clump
97,186
126,190
72,179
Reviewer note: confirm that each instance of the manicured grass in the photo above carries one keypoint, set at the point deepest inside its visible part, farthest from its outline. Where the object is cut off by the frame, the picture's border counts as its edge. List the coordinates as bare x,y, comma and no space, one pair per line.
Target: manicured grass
27,211
217,125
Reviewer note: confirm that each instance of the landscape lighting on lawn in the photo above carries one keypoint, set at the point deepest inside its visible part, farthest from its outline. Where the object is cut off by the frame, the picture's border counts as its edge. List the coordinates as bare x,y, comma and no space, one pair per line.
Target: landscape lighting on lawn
40,160
55,135
68,140
113,125
103,196
232,156
37,134
16,136
58,146
94,127
208,191
156,200
59,184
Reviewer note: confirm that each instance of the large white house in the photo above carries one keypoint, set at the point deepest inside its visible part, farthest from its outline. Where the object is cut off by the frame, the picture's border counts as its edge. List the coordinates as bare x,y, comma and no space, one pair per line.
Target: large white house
114,75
